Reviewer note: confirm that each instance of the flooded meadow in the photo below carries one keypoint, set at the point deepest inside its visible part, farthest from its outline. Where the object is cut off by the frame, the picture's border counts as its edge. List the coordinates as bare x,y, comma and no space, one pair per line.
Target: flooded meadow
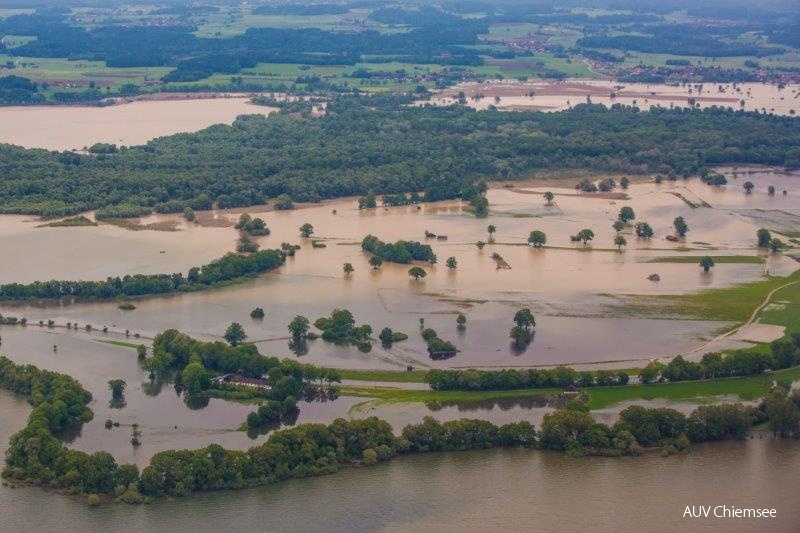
559,95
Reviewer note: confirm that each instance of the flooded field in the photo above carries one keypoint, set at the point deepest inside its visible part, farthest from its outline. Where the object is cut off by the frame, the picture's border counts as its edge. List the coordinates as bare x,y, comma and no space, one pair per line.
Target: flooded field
77,127
556,96
569,286
496,489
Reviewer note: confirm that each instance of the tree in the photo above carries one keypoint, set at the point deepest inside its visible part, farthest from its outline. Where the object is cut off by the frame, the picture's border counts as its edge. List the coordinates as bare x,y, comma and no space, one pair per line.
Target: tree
706,262
195,378
141,352
764,237
417,272
537,238
283,202
491,229
348,269
188,214
521,336
375,261
480,245
681,227
451,263
235,334
643,230
117,388
298,327
776,245
626,214
619,242
624,182
524,318
618,225
461,321
748,187
585,235
771,190
306,230
367,202
549,197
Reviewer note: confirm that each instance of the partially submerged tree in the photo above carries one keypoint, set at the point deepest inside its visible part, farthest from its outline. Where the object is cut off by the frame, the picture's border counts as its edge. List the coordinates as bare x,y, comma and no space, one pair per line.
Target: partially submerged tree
643,230
537,238
764,237
417,272
585,235
524,318
549,197
306,230
681,227
235,334
619,242
451,263
706,262
626,214
298,327
348,269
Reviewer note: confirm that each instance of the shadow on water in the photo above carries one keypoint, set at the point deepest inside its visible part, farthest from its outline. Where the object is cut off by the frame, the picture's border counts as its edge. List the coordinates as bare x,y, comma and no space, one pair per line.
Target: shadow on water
503,404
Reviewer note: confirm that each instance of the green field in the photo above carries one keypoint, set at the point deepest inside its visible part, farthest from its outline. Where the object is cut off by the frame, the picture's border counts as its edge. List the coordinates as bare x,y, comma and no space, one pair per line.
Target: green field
397,376
745,388
730,304
63,74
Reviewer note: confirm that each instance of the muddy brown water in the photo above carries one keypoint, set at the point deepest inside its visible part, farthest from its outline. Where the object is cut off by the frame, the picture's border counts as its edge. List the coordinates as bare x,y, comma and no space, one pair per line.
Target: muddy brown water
571,288
76,127
557,96
467,491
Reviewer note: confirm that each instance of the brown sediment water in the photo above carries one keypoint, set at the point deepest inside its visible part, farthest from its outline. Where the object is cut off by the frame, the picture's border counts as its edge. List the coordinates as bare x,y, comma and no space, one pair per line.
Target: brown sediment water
570,287
548,95
76,127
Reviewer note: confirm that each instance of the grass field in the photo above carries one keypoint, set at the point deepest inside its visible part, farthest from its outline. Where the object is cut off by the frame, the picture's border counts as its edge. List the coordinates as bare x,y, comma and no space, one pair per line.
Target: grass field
58,73
396,376
745,388
730,304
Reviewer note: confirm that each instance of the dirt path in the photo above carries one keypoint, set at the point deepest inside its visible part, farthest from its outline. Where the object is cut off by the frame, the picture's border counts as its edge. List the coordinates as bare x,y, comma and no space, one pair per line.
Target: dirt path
749,321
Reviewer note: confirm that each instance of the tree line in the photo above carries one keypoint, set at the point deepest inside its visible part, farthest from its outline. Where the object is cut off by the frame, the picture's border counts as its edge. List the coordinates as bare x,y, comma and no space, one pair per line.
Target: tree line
227,268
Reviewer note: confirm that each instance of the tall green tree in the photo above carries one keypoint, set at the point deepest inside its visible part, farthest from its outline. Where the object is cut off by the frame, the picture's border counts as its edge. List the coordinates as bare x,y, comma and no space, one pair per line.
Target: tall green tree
235,334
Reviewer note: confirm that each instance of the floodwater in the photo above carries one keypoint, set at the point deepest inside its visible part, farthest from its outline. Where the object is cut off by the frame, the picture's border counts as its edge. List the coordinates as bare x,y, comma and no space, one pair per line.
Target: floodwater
557,96
570,287
469,491
78,127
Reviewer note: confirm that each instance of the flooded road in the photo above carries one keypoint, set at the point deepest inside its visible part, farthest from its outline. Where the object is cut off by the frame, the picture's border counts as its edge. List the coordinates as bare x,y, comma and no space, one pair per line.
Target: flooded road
77,127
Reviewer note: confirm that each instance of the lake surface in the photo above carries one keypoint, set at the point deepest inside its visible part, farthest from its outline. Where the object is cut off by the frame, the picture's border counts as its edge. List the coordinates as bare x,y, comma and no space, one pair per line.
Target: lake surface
557,96
77,127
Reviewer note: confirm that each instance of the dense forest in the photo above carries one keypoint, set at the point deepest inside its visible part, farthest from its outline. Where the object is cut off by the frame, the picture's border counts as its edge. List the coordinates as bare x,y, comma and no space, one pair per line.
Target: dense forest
383,146
35,455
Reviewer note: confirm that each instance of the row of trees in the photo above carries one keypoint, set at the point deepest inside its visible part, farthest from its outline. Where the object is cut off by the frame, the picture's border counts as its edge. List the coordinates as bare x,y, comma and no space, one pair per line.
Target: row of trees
510,379
784,354
229,267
